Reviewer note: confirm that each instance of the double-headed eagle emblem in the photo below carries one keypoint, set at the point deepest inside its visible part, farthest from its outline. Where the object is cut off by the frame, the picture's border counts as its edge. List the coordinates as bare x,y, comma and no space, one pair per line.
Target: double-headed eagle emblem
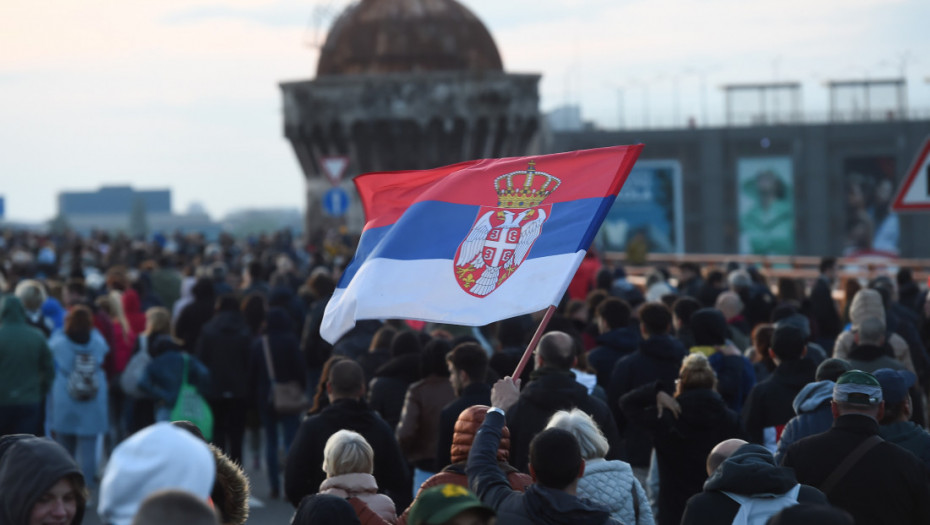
501,237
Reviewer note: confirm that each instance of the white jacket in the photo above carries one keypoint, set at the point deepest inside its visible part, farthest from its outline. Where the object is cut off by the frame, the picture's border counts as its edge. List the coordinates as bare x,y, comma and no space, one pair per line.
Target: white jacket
613,485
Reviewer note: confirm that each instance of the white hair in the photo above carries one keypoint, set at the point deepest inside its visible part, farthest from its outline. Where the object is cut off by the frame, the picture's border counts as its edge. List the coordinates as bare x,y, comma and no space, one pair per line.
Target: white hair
347,452
590,438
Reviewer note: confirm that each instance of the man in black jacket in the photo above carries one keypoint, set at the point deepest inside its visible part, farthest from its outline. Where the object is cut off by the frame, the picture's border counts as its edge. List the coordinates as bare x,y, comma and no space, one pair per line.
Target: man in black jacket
769,406
346,389
748,477
555,464
468,366
553,387
886,484
616,340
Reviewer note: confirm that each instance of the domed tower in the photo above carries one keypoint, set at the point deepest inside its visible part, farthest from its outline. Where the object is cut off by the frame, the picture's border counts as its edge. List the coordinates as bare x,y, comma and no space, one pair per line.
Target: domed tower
402,85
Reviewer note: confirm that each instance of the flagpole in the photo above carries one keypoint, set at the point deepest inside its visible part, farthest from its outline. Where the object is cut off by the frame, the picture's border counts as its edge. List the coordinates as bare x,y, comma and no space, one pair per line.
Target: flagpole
536,337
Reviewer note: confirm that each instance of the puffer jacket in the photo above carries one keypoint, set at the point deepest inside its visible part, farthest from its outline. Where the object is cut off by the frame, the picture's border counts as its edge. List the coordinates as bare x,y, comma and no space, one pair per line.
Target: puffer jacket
814,415
613,485
364,487
866,304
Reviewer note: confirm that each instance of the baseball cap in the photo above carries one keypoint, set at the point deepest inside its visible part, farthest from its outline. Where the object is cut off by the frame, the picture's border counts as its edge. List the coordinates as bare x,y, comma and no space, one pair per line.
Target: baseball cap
857,387
895,384
442,503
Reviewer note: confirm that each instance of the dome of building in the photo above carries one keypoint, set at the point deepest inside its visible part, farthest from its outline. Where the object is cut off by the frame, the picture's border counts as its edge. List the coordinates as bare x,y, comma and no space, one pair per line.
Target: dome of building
407,36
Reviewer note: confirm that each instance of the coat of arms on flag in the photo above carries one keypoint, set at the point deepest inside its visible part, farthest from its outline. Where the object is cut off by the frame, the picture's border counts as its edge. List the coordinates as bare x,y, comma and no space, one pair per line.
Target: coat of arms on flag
501,237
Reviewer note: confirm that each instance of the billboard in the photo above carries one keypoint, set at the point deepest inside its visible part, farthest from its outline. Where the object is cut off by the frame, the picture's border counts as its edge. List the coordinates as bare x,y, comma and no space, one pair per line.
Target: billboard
871,226
648,207
765,199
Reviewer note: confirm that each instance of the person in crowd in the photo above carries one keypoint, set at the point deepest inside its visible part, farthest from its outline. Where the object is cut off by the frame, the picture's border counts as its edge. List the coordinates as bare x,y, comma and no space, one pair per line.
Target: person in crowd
769,405
468,366
325,509
26,371
316,349
823,307
868,305
254,279
132,309
348,461
869,352
161,456
658,358
610,483
78,410
387,389
552,388
583,281
616,340
758,300
512,338
141,411
166,281
190,320
788,315
685,428
622,288
682,310
896,425
738,330
903,322
347,410
320,398
762,363
224,347
450,505
689,279
40,483
555,464
714,285
32,294
174,506
280,346
124,338
423,404
747,483
875,481
734,372
813,406
163,376
379,352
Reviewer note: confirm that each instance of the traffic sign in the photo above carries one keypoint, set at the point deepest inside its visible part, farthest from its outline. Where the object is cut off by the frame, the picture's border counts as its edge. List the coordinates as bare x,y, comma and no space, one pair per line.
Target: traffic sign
336,202
914,194
334,168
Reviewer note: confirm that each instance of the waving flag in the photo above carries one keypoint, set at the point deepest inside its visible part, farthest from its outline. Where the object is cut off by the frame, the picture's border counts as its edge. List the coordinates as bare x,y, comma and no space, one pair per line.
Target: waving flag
475,242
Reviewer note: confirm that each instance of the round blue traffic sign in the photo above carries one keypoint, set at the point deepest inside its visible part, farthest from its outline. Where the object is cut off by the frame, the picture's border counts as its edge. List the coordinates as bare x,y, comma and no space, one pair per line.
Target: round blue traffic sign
336,202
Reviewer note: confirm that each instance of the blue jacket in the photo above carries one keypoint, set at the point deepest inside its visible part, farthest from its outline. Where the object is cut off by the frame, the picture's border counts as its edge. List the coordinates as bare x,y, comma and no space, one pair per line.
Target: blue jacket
66,414
538,505
163,376
814,416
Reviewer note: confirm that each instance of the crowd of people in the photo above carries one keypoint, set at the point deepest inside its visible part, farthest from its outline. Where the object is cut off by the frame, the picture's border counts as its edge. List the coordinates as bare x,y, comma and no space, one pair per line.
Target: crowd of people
708,395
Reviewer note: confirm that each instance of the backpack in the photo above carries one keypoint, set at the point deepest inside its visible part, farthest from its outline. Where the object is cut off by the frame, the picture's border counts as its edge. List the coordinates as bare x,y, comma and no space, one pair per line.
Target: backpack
759,508
132,374
82,381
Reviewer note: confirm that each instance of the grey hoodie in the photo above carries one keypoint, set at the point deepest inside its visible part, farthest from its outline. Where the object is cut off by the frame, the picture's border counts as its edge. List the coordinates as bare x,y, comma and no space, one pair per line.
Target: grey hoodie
812,406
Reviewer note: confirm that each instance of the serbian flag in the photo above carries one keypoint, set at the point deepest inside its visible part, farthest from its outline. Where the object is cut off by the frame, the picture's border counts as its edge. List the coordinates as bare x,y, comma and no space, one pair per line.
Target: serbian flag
475,242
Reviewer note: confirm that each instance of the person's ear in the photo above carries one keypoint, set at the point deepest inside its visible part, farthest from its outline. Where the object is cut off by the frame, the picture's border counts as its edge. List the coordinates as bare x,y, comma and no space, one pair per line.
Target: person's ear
532,473
835,409
804,352
329,387
581,470
881,411
772,355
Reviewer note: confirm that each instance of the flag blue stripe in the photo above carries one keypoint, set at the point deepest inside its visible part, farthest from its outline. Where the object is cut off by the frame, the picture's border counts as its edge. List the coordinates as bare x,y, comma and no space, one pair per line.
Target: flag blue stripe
434,230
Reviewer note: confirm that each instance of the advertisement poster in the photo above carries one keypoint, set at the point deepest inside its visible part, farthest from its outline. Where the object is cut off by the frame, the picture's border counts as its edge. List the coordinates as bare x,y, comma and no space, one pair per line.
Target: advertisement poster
765,187
648,209
871,227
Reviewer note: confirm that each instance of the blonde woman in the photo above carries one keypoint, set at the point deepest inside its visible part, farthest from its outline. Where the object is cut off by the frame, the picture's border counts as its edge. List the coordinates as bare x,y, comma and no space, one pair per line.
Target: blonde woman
610,483
348,461
124,339
685,427
141,407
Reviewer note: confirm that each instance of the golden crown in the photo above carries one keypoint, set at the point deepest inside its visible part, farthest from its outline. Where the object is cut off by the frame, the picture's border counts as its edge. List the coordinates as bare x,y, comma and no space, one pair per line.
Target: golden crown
524,189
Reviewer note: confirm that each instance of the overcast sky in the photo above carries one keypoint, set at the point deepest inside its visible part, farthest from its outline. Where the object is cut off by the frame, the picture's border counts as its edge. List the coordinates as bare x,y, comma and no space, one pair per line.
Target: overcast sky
183,94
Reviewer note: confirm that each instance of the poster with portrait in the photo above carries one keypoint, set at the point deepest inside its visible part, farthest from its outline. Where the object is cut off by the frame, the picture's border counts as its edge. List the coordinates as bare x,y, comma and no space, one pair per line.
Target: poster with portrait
647,211
765,195
871,227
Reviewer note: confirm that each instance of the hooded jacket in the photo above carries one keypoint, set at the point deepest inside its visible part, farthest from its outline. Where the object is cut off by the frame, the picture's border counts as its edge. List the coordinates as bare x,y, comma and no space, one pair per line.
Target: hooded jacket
814,415
29,468
909,436
26,370
770,403
552,390
611,347
387,390
866,304
67,415
224,348
750,472
539,504
231,490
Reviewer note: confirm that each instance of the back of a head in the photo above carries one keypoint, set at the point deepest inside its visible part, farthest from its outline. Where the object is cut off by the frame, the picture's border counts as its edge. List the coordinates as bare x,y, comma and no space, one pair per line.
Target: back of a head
739,280
591,440
555,458
684,308
347,452
556,349
405,342
655,318
324,509
157,320
709,327
615,312
827,264
511,333
347,378
871,331
721,452
696,373
831,369
788,343
470,358
174,507
157,457
31,294
433,358
730,304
